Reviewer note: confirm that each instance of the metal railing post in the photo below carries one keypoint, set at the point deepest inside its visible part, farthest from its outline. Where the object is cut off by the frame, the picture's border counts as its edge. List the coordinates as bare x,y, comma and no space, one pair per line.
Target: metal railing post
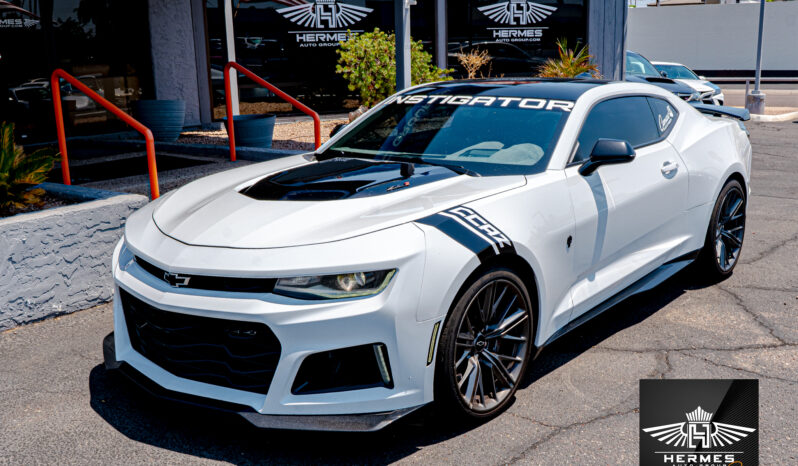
55,85
263,83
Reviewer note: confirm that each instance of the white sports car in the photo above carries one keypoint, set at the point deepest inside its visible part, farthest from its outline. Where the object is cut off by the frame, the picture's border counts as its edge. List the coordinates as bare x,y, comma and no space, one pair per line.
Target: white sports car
427,252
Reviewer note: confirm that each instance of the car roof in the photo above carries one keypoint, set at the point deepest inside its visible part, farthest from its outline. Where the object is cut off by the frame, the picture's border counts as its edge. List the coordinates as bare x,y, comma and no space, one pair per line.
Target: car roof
546,88
666,63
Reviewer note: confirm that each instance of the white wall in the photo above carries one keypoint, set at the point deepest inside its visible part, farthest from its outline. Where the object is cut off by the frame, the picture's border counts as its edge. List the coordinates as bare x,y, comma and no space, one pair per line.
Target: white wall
716,37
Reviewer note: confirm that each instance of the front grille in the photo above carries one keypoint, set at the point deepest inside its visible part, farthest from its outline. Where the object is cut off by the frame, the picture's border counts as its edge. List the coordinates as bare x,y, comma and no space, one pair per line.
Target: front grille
228,353
207,282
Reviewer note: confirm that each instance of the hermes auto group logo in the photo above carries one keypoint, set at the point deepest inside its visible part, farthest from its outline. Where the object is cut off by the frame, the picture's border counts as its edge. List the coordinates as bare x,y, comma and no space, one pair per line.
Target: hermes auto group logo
725,434
324,14
517,12
699,432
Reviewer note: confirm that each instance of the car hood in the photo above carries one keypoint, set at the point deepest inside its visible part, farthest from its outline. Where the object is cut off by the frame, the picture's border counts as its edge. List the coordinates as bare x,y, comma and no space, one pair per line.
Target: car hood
298,201
700,86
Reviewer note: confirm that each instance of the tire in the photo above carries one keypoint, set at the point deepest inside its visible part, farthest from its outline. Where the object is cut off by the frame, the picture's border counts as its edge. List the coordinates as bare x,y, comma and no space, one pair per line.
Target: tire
725,233
476,377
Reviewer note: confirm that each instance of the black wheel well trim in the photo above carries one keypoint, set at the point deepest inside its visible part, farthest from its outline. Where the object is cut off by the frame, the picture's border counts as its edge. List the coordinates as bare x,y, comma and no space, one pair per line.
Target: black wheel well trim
737,176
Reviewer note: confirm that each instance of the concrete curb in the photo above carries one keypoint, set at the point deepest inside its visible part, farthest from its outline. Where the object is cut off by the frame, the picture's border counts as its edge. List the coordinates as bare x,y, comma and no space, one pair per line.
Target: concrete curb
58,260
774,118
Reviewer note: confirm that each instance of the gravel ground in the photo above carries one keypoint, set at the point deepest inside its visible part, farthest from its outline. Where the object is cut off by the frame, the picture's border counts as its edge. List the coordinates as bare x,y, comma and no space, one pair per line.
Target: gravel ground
297,135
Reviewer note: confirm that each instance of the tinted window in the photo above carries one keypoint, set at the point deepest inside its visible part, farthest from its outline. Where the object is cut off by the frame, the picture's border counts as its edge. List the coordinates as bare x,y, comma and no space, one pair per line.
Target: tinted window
664,114
676,71
637,65
627,118
488,134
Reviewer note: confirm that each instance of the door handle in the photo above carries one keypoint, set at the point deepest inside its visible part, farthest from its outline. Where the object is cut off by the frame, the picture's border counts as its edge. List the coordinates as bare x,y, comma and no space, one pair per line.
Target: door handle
669,167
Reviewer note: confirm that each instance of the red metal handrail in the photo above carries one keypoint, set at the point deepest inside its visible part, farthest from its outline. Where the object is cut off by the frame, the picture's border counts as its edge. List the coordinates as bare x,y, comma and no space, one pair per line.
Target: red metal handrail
55,85
258,80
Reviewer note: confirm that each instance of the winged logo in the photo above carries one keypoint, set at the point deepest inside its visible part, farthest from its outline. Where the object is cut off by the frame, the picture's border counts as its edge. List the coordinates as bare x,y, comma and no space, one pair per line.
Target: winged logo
699,432
515,12
325,14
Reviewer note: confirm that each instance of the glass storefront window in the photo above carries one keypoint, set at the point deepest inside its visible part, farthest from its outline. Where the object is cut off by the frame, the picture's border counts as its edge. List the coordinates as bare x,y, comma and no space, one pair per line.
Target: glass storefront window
291,43
104,43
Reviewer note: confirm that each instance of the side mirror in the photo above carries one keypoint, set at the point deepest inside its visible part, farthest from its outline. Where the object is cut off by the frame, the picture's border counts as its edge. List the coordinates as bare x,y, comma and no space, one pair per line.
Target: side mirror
337,129
702,77
607,152
664,74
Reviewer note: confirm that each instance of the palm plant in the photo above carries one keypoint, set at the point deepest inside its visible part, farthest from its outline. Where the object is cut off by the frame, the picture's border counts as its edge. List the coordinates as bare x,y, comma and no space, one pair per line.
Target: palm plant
19,172
570,64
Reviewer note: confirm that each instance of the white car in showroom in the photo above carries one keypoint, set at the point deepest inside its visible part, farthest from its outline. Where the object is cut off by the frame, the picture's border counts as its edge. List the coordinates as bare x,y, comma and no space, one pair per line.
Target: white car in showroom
427,252
710,93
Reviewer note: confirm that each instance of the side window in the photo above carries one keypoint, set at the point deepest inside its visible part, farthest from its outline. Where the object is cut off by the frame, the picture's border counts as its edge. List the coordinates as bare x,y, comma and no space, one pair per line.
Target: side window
627,118
664,114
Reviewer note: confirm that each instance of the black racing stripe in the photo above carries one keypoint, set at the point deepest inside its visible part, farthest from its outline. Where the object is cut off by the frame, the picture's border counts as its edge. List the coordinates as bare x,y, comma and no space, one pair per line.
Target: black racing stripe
481,247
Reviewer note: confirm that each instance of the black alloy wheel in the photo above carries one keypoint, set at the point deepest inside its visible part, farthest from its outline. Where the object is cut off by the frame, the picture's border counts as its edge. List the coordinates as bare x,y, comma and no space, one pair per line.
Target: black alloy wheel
726,231
485,345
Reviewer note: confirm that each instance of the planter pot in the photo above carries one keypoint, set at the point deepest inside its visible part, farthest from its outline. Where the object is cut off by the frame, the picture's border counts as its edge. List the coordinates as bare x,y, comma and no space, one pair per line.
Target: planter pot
163,117
253,130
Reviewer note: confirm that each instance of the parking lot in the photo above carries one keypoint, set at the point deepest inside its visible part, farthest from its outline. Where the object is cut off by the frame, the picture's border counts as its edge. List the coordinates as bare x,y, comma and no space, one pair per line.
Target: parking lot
579,404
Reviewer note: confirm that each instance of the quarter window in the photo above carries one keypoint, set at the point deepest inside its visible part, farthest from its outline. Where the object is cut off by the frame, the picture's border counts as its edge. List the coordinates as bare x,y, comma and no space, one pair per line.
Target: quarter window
664,114
626,118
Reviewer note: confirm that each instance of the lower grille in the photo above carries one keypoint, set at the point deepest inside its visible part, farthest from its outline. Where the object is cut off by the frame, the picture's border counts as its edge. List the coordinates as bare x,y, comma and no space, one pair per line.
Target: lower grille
228,353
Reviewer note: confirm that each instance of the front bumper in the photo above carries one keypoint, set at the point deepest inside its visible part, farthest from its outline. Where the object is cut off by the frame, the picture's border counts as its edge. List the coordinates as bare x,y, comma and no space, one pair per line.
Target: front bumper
351,423
303,328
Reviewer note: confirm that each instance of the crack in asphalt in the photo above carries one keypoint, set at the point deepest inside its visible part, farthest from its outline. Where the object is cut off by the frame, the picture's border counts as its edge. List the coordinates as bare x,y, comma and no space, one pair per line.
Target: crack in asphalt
728,366
770,250
696,348
766,325
560,430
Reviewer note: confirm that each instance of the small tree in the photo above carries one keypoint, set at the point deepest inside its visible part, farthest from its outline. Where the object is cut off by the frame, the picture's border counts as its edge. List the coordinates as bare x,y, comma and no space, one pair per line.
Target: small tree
368,62
473,61
20,172
570,64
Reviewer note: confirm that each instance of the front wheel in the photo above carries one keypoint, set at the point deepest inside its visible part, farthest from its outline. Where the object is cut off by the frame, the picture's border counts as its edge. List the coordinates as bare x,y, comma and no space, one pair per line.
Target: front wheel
485,346
726,231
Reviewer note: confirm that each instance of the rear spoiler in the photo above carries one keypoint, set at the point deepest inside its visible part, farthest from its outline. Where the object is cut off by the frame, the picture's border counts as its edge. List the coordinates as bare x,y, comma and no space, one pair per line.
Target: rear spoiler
721,110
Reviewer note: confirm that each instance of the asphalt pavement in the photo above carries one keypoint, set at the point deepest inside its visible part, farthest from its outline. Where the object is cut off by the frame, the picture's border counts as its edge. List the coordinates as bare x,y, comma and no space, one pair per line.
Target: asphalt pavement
579,404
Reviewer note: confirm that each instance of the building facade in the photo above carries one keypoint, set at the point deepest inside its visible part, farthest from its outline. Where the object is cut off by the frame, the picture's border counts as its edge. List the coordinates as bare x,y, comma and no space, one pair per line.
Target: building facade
176,49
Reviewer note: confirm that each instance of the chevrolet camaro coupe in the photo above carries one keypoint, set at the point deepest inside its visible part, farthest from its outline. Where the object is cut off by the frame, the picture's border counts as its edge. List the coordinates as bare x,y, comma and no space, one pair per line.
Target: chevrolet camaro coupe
427,252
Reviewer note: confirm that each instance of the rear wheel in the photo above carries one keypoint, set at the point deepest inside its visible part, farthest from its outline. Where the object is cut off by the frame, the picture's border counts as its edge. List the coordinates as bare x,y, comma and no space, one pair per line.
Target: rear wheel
485,346
726,231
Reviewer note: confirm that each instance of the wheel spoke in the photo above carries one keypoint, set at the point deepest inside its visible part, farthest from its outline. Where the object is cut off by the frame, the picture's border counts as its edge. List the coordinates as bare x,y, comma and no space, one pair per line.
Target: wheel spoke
508,324
735,241
487,302
495,304
469,371
473,378
499,369
735,209
508,308
462,358
720,247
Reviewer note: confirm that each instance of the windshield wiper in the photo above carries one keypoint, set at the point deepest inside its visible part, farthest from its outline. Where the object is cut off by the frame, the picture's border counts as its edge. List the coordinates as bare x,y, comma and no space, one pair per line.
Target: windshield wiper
459,169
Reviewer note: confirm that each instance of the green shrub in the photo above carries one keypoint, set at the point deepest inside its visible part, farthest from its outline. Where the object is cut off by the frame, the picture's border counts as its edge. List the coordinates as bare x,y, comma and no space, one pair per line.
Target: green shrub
368,62
19,172
570,64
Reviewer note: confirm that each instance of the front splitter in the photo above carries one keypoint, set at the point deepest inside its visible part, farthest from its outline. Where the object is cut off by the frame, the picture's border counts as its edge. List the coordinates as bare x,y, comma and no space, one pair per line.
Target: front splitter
367,422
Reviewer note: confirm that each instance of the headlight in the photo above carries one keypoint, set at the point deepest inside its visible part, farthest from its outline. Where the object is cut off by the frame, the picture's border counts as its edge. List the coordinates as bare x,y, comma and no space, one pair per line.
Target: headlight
345,285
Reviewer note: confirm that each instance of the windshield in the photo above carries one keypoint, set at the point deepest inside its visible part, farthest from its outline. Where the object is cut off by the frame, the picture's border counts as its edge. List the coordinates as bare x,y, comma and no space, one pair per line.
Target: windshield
677,71
637,65
481,134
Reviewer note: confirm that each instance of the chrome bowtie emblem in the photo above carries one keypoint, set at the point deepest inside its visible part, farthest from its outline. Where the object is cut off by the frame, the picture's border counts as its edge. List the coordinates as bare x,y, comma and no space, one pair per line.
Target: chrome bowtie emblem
175,279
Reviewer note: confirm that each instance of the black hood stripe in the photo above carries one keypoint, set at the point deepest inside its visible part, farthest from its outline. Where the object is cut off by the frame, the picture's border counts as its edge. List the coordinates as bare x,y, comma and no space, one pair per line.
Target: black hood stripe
472,230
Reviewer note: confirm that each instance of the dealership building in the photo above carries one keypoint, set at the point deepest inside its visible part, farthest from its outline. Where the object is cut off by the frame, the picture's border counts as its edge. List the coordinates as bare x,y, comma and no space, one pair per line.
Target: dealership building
176,49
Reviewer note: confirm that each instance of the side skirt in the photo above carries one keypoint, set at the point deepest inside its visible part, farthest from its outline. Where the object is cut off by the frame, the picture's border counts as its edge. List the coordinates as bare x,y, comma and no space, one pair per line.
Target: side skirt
646,283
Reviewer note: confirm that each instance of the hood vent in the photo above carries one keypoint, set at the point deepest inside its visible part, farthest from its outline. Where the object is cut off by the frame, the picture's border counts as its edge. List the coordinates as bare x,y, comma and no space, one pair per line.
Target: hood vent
343,178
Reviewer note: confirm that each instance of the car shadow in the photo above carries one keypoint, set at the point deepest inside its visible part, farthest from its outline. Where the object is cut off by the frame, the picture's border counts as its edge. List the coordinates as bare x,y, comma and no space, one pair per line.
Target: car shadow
227,437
